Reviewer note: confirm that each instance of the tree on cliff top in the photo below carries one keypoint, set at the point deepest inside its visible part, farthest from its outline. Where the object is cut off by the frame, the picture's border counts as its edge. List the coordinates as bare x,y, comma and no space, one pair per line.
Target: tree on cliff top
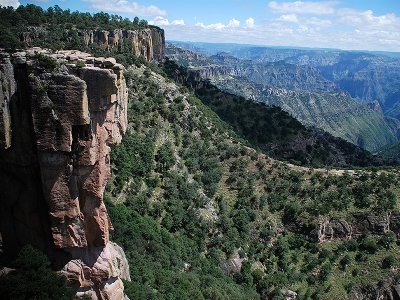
15,22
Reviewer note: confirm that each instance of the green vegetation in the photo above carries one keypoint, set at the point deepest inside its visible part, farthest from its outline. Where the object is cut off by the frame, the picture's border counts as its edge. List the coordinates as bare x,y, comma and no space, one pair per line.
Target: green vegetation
336,113
33,279
202,215
302,91
46,62
56,28
274,131
393,151
168,266
193,198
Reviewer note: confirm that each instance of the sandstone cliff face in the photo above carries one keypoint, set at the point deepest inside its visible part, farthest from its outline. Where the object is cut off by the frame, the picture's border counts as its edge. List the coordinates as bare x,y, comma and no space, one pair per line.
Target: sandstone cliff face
146,42
56,131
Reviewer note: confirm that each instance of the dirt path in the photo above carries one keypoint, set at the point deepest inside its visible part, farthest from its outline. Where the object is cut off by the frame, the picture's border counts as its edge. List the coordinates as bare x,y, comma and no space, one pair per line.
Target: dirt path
337,172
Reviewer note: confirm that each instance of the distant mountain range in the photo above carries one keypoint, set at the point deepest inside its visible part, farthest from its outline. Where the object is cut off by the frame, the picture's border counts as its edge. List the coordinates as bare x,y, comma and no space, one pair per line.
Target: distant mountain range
315,86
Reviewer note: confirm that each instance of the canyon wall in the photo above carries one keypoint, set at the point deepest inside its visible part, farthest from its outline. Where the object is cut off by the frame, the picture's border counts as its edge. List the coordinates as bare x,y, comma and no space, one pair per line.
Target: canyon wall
146,42
60,113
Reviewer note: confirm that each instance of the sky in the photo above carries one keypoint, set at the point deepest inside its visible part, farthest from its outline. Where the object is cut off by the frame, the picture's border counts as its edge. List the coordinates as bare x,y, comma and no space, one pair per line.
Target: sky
343,24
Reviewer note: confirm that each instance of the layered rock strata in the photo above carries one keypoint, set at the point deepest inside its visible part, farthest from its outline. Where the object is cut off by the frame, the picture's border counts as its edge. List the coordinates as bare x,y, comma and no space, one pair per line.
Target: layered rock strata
146,42
60,113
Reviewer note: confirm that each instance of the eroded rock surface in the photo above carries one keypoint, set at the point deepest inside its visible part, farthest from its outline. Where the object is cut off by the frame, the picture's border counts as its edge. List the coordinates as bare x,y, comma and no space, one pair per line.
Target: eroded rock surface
103,267
56,129
329,230
146,42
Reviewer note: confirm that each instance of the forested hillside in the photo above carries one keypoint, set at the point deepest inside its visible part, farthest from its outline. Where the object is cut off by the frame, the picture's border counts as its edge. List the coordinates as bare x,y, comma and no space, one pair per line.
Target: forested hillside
201,215
273,130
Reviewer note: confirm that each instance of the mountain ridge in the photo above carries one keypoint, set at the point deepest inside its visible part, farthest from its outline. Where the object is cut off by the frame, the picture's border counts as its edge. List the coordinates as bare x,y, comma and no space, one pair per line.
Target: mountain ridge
359,124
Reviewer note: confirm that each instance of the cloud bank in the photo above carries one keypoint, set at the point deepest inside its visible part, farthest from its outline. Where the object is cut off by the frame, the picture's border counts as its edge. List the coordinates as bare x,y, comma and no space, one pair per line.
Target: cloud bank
300,7
302,23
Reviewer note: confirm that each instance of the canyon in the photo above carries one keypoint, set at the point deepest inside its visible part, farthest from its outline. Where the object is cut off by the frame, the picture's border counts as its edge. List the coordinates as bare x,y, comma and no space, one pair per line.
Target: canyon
312,86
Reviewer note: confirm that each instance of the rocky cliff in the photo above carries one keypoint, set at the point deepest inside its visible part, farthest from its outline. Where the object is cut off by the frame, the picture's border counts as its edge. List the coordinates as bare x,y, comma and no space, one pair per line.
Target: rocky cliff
61,112
146,42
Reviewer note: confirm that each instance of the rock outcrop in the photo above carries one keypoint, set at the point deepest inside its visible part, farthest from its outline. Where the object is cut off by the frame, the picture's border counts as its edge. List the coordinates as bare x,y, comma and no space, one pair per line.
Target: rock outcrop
61,112
146,42
329,230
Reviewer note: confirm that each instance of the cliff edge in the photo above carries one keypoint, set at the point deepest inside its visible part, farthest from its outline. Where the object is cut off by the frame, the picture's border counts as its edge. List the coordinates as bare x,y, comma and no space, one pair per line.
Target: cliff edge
60,113
147,42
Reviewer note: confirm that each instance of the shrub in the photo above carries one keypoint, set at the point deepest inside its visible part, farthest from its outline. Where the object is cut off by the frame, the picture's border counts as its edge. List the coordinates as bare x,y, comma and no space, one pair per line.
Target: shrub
46,62
351,245
165,157
80,64
387,240
345,261
369,244
388,261
33,278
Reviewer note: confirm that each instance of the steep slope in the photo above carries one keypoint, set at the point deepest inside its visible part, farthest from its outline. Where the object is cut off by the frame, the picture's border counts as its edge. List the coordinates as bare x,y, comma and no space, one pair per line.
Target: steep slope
273,130
203,216
365,76
303,93
335,113
186,57
393,151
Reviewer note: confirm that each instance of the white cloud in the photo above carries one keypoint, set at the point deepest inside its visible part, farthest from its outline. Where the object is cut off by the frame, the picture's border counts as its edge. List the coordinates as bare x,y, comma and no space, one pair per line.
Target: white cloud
161,21
250,23
178,22
304,7
217,26
300,25
233,23
13,3
127,7
292,18
367,20
318,22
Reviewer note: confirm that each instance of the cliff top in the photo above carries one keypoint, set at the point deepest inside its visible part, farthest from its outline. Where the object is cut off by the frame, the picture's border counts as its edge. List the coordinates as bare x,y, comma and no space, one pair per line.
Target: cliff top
67,57
100,34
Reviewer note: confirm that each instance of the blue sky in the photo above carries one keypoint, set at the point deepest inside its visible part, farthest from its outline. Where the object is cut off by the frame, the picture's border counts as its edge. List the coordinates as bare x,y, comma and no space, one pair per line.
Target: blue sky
345,24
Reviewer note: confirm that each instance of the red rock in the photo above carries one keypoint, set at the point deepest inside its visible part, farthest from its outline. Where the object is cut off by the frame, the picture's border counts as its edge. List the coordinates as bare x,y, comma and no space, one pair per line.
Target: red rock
64,124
